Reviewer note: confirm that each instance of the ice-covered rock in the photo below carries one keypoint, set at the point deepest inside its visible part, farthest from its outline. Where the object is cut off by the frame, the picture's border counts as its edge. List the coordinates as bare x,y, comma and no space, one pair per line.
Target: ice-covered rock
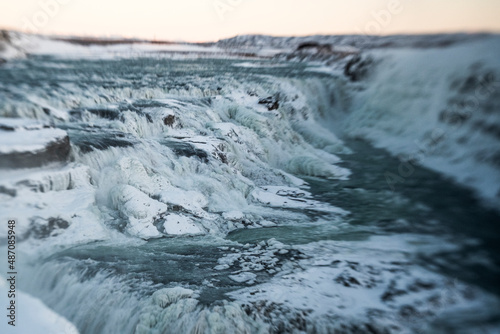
359,67
243,277
179,225
167,296
141,211
288,44
44,179
188,200
50,202
374,287
28,144
133,172
233,215
266,257
177,310
8,48
292,198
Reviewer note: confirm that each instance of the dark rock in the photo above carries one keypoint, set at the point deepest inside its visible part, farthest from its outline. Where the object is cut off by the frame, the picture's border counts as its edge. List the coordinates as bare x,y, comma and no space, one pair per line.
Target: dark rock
56,151
220,154
347,280
353,265
169,120
292,193
335,263
4,36
392,292
373,329
408,311
89,138
358,68
100,143
490,128
177,208
105,113
315,47
8,191
222,157
186,149
308,45
110,114
281,318
419,285
476,81
454,117
5,127
270,102
41,228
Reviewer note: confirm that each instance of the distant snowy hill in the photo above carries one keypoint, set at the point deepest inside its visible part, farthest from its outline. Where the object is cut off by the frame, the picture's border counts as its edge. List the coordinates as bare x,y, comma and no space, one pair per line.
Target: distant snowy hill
9,45
15,45
357,41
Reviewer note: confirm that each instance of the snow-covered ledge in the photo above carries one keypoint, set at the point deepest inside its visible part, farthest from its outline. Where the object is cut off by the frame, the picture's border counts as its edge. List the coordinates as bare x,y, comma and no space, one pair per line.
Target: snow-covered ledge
32,316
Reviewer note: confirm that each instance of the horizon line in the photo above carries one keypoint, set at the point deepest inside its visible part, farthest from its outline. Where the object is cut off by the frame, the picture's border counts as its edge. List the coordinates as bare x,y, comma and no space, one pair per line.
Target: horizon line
145,39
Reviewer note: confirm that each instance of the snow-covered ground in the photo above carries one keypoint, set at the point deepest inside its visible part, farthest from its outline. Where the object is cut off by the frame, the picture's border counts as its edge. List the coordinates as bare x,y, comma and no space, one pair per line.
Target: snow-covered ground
33,316
18,45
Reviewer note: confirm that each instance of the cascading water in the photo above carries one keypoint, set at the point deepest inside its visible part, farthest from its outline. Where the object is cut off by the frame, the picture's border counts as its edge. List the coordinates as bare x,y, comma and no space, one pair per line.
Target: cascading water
211,195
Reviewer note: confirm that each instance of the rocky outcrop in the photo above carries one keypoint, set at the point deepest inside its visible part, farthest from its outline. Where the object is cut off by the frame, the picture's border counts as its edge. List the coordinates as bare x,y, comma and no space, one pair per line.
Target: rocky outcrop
315,47
44,228
358,68
169,120
270,102
186,149
58,150
4,41
323,52
8,47
357,41
24,144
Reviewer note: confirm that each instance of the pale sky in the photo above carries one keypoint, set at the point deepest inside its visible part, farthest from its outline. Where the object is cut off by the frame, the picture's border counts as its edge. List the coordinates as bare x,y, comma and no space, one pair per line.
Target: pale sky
210,20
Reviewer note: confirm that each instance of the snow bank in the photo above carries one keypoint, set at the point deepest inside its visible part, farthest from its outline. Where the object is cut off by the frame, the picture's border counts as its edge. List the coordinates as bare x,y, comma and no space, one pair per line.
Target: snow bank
372,285
180,225
29,141
289,197
32,316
